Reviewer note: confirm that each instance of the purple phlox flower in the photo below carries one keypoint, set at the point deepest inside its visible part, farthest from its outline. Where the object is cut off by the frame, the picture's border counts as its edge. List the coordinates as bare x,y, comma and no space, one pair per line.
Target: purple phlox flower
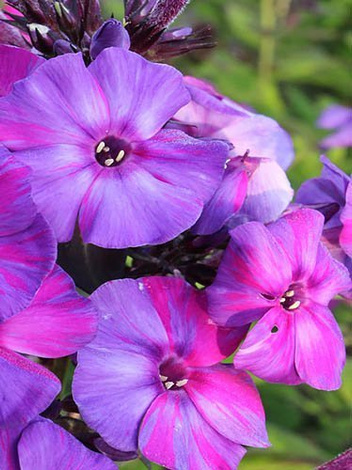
26,390
15,64
45,445
339,118
152,379
267,193
110,34
282,277
252,189
331,195
94,141
147,23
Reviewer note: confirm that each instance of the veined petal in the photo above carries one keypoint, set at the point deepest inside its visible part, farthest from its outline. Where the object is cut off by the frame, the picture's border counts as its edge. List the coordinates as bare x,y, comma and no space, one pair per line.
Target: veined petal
148,94
45,445
57,322
176,436
228,400
346,219
269,349
320,350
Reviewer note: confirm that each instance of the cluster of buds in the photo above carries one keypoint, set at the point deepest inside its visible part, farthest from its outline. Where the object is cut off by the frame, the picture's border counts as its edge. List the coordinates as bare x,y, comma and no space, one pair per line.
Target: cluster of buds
59,27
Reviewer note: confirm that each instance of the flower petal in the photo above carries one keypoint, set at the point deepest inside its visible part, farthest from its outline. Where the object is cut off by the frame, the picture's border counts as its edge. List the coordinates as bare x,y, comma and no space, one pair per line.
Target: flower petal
320,350
174,435
26,258
254,271
57,322
299,234
228,400
346,219
45,445
269,349
142,95
53,106
26,389
183,312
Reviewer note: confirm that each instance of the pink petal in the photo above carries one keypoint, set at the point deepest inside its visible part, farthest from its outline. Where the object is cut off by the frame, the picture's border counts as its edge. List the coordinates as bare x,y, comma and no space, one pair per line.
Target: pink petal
183,312
299,235
320,351
269,349
15,64
228,400
44,445
346,219
174,435
148,94
57,322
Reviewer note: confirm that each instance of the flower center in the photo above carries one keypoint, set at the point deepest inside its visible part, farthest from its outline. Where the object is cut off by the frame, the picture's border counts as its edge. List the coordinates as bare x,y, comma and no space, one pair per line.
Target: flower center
289,300
111,151
173,374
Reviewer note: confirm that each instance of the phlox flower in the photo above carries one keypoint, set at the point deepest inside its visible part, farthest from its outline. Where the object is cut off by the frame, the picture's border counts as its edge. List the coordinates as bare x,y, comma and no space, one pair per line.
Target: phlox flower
339,118
282,277
331,194
152,379
93,138
254,186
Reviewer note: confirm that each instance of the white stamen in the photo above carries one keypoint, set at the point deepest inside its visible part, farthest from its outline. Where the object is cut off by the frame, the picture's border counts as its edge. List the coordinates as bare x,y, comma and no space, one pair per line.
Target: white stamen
120,156
168,385
290,293
181,383
294,305
108,162
163,378
100,147
39,27
106,149
282,300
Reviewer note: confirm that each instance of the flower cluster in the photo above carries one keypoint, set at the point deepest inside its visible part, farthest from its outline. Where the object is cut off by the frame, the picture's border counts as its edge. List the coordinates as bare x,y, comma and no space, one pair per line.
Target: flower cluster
103,151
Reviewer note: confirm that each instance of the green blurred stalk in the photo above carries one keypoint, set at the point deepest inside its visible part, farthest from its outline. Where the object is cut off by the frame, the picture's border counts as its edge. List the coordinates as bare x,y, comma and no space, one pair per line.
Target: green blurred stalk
267,43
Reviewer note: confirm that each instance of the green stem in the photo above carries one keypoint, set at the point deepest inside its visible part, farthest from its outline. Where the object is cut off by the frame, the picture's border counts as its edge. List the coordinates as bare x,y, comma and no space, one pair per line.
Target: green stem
267,43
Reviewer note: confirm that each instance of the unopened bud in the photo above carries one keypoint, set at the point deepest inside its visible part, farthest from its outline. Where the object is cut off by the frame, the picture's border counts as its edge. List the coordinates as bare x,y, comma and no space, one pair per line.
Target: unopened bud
110,34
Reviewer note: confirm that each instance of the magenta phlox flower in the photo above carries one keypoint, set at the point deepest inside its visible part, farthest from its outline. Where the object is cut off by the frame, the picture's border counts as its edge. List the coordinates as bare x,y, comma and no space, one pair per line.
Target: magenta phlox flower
15,64
44,445
94,141
282,277
27,245
339,118
26,389
152,379
331,194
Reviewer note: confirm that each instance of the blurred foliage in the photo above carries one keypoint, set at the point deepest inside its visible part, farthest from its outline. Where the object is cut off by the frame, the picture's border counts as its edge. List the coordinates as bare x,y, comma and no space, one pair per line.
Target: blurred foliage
288,59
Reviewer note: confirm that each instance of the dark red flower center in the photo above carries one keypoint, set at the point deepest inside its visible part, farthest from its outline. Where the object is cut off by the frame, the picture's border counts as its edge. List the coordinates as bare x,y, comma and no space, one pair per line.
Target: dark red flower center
289,300
173,373
111,151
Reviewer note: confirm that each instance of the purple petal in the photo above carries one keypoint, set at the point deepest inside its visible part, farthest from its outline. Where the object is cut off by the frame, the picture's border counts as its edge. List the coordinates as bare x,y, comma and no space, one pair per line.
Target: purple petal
9,437
268,194
330,277
320,350
174,435
269,349
226,202
45,445
183,312
334,116
254,271
26,389
54,107
299,235
59,187
110,34
341,138
228,400
15,64
148,94
114,388
155,195
346,219
26,258
57,322
17,209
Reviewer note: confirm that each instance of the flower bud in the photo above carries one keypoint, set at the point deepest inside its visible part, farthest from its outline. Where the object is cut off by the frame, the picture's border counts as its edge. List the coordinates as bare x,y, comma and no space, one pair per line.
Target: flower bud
110,34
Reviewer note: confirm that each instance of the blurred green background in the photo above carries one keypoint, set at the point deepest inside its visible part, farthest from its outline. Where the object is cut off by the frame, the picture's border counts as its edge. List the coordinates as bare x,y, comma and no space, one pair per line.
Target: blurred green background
288,59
